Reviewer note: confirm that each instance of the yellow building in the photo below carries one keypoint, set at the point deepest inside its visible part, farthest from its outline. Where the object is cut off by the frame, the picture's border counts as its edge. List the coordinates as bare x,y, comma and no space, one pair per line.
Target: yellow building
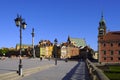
48,51
44,49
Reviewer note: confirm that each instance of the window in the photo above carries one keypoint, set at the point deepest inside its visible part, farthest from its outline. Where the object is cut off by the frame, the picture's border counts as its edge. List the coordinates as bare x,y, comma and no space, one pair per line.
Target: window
118,58
111,44
104,52
104,44
111,58
101,38
104,58
119,52
111,52
119,44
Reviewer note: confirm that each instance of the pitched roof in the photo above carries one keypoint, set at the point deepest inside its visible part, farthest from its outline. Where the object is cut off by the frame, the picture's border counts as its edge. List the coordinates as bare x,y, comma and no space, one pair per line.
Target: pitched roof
112,36
78,42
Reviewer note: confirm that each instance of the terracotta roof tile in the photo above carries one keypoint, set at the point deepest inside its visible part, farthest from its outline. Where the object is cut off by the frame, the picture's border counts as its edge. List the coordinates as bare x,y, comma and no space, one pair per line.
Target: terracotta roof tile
114,35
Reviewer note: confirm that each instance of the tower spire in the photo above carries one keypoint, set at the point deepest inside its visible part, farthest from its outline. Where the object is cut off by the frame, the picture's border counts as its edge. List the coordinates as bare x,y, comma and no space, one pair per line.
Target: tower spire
102,17
102,14
68,39
102,26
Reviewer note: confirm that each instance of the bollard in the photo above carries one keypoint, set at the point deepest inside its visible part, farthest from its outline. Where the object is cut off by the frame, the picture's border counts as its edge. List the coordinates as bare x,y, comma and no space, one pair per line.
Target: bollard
55,61
66,60
40,58
20,70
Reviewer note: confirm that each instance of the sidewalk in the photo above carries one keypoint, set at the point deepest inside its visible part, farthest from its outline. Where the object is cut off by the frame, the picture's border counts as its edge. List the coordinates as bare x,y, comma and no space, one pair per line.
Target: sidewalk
70,70
11,65
79,72
8,67
34,69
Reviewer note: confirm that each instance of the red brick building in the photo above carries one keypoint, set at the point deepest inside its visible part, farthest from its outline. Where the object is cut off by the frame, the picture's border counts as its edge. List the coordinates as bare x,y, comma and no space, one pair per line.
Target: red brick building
108,44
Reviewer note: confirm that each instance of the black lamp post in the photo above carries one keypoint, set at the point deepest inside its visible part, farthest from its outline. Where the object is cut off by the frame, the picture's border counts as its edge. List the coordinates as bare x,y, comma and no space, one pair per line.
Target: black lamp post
55,52
33,34
20,23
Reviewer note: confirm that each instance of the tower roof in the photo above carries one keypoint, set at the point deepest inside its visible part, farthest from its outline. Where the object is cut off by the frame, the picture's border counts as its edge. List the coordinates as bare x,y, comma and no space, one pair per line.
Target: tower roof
102,23
102,18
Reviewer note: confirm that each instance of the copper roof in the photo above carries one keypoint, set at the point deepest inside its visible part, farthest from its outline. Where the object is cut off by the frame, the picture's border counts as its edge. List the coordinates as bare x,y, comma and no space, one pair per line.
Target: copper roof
112,36
78,42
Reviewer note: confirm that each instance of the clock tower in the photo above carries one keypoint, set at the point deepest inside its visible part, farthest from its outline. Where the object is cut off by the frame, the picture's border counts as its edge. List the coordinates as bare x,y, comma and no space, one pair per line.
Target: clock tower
102,27
101,35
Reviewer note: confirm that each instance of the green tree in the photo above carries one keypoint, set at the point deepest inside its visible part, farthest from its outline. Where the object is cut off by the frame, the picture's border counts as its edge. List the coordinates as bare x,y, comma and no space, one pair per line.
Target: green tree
3,51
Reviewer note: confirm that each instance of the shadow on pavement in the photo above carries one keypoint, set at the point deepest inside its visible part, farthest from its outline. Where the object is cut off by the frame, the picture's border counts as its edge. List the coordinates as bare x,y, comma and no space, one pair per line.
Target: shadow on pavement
7,70
77,73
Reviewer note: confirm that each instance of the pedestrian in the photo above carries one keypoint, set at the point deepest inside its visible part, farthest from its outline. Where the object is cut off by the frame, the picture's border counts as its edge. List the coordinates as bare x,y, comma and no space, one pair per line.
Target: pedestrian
49,58
40,58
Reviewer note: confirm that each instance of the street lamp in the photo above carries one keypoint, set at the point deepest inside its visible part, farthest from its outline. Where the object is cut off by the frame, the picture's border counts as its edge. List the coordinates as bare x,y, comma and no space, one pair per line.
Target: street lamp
20,23
33,34
55,52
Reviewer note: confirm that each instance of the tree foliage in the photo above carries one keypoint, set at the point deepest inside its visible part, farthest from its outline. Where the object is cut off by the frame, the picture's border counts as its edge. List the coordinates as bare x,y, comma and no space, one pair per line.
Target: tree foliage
4,51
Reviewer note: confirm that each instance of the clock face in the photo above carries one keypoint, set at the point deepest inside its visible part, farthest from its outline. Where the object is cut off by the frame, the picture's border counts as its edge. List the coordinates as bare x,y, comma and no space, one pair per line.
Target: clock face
101,29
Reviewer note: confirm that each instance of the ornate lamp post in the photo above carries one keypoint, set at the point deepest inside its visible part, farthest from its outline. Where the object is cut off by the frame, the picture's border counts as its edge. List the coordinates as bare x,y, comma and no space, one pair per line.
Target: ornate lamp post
33,34
55,52
20,23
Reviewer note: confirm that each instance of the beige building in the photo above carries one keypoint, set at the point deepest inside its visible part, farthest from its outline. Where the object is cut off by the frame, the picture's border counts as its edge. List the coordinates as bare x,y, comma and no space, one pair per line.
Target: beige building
95,56
23,46
71,47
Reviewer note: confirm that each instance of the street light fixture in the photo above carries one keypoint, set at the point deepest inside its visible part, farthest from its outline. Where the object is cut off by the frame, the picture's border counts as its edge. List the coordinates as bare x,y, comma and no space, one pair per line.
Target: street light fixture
20,23
55,52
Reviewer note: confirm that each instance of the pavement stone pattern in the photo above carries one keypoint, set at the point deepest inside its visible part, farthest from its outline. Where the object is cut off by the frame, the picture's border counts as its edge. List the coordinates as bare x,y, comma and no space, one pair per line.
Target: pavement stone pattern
79,72
11,65
71,70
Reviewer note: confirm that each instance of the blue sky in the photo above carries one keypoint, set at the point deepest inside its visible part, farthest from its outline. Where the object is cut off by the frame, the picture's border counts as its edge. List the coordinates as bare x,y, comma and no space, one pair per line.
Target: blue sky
57,19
